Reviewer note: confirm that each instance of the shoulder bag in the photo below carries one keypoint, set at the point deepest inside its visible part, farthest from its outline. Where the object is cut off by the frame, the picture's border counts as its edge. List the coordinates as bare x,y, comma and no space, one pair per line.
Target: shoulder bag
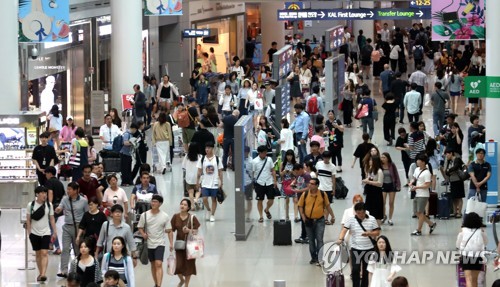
142,247
413,193
373,241
180,244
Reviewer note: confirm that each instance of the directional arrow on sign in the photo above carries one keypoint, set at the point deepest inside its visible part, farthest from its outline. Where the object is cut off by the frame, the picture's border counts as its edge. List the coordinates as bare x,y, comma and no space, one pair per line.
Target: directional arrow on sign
322,14
371,14
420,13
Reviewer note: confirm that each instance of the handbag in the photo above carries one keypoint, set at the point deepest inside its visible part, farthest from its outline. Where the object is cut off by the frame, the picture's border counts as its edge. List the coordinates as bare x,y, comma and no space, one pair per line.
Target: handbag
463,173
475,205
362,112
195,245
221,195
74,161
171,265
180,244
286,185
341,106
142,247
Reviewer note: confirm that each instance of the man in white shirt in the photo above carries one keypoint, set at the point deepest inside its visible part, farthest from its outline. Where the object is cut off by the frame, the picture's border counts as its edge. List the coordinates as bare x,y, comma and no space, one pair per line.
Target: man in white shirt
108,132
412,102
385,33
326,175
210,166
39,230
152,226
264,177
227,101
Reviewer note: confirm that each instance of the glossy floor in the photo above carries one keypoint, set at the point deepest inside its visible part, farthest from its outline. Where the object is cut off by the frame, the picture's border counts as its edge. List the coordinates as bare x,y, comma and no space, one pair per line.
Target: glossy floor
256,262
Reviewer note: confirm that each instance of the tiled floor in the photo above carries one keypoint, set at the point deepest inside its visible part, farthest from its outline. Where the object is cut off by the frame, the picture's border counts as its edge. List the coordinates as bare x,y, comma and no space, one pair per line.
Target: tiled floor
257,262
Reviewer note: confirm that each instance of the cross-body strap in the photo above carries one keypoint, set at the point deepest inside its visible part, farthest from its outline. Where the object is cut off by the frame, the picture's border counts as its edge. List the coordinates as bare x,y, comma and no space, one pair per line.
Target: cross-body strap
73,215
470,238
364,229
264,165
437,92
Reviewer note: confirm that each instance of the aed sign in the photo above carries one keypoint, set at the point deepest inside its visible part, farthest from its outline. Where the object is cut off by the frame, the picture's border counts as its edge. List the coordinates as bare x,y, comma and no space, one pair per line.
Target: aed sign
482,87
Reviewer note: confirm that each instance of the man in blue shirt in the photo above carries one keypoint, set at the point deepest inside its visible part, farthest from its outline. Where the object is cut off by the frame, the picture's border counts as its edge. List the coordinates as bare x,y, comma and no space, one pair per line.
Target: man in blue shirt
385,79
367,122
126,155
301,128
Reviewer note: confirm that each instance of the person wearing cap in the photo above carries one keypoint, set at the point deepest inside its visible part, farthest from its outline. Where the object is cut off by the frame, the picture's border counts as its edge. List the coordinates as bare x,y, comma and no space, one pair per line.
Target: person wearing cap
452,165
67,133
43,156
480,172
202,136
153,224
74,207
39,215
210,166
126,155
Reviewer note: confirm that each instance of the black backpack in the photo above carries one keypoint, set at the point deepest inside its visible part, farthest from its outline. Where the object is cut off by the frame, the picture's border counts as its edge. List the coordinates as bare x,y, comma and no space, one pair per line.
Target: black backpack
367,51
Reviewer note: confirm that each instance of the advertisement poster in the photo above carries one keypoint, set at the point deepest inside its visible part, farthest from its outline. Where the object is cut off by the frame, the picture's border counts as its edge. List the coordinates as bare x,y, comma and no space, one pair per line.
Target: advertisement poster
460,20
48,91
162,7
43,21
126,98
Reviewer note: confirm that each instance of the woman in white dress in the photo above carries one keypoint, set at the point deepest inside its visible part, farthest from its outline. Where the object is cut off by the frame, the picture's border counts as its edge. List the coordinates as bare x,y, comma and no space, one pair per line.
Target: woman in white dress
381,264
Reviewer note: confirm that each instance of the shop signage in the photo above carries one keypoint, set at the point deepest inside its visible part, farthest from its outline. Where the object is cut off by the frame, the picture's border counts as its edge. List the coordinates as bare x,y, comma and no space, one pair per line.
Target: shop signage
212,10
299,5
421,4
282,62
334,38
162,7
126,98
458,20
195,33
9,121
354,14
43,21
482,87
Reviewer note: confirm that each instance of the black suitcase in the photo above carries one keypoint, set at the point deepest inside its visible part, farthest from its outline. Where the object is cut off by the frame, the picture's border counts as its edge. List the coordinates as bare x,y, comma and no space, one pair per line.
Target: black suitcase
111,164
282,227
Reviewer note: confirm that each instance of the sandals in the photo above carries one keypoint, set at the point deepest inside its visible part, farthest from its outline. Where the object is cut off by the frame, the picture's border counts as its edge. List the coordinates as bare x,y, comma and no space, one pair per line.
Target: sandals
458,215
261,220
268,214
327,222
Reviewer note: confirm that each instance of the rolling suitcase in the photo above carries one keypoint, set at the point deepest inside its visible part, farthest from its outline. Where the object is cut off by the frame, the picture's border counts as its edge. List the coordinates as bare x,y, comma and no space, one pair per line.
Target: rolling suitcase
433,204
444,206
335,279
282,227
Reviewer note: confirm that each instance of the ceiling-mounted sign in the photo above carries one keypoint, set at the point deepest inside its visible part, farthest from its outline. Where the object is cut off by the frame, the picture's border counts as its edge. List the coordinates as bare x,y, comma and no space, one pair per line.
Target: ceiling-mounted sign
195,33
354,14
162,7
420,4
43,21
460,20
294,5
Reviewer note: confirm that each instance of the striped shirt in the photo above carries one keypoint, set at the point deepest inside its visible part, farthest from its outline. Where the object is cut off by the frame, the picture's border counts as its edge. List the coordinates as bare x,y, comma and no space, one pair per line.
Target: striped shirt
325,172
358,241
118,266
416,141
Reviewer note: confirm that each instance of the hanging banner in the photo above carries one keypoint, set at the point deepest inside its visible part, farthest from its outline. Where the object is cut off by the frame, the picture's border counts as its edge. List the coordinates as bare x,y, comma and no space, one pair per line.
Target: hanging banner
43,21
162,7
460,20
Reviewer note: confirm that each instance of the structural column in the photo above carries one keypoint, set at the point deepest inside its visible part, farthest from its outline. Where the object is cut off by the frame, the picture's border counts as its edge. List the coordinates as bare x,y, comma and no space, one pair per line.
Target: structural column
272,29
492,68
9,72
126,48
366,25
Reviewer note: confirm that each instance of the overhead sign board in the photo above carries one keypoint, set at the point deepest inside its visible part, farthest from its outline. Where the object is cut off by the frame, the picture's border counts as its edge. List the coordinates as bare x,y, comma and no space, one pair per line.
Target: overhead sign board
195,33
353,14
420,4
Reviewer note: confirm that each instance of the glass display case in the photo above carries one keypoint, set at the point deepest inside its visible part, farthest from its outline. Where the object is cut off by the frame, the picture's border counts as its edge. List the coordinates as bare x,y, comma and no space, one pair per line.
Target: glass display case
18,137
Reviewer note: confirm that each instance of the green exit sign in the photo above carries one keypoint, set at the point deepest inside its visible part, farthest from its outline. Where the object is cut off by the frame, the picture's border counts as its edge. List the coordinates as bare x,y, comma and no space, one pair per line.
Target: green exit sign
482,87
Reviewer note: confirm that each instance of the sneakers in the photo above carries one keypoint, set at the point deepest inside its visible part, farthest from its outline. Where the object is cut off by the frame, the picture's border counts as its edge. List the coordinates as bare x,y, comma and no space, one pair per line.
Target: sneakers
212,218
416,233
385,218
207,215
390,222
433,226
302,241
313,261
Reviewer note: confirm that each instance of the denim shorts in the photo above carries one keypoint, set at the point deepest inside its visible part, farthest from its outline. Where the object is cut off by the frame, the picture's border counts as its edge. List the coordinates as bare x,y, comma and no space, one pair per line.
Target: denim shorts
209,192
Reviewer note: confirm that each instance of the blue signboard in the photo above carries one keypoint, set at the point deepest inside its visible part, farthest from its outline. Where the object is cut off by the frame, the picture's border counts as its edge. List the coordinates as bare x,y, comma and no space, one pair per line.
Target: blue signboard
195,33
420,4
354,14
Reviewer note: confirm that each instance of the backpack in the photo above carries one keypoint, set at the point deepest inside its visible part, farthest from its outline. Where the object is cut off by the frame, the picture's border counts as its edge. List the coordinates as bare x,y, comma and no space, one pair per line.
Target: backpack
183,119
312,105
203,159
418,54
118,143
367,52
375,55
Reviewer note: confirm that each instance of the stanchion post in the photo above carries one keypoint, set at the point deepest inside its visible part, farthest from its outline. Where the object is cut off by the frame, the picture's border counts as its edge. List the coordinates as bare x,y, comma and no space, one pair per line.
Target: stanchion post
23,221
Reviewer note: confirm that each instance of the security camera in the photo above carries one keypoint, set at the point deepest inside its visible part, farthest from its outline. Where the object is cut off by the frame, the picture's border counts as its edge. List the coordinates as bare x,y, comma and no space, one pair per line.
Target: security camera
34,53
